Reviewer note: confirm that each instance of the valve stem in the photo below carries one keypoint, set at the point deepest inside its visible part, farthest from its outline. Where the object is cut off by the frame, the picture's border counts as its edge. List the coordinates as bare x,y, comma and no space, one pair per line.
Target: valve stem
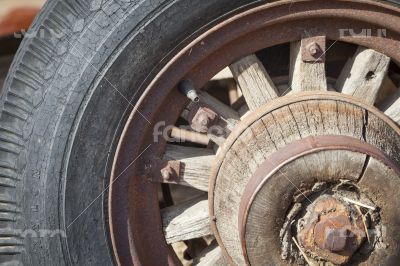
186,87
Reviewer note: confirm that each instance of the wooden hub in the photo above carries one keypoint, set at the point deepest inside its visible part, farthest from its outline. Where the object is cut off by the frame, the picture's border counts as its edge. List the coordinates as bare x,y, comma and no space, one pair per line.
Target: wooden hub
306,161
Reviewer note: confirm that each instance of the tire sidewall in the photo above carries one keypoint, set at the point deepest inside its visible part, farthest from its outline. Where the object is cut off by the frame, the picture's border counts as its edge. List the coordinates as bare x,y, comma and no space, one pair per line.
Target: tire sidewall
73,131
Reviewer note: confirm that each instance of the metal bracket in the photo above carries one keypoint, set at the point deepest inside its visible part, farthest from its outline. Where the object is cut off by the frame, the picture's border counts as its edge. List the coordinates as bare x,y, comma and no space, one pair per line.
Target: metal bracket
313,49
201,118
162,171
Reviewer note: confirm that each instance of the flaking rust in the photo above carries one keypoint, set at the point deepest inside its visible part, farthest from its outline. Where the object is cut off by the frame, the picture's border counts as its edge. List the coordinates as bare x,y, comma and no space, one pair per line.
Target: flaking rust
332,231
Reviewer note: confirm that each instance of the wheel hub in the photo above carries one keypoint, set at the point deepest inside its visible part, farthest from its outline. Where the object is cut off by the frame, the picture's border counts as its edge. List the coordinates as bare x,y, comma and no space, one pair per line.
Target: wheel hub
288,183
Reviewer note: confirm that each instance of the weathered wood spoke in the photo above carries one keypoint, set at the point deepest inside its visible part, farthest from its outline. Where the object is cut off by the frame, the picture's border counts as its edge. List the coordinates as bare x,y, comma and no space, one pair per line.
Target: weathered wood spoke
183,135
254,81
386,92
393,110
211,256
363,74
217,106
223,74
305,76
186,221
195,165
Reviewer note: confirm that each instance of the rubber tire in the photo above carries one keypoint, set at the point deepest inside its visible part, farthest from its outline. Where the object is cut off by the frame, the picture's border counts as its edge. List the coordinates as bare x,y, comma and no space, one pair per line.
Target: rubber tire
63,107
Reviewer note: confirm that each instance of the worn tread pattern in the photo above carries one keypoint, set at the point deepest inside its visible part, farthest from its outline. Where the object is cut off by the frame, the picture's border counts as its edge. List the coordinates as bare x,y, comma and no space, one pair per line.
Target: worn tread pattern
24,89
42,53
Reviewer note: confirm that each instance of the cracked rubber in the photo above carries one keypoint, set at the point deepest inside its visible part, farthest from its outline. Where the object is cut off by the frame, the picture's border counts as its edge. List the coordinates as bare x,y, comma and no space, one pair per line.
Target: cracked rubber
63,106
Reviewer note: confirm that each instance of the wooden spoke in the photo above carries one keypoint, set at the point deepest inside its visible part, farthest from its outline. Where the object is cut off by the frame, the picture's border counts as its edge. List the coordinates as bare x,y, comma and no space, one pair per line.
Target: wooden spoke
182,135
386,91
305,76
195,165
254,81
186,221
217,106
223,74
363,74
233,92
393,110
225,78
211,256
217,138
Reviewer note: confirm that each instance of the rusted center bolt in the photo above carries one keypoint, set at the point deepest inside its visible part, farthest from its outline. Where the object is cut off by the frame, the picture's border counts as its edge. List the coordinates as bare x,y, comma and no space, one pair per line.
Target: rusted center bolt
332,231
336,239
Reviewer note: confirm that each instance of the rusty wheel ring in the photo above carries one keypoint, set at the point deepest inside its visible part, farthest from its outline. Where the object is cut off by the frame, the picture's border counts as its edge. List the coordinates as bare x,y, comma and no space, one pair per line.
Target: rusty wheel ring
134,212
296,150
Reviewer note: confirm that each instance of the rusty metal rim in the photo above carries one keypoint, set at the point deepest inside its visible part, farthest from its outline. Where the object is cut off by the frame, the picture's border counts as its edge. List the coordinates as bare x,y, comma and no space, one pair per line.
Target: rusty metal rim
290,153
214,49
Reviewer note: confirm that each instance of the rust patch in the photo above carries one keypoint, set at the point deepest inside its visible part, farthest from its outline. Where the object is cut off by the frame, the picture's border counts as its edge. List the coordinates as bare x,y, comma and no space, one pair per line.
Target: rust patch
202,118
313,49
333,232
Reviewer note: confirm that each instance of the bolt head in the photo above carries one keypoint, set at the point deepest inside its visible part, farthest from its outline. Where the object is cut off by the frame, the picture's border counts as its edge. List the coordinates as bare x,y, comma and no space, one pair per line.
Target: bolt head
330,233
333,234
167,172
203,120
314,49
335,239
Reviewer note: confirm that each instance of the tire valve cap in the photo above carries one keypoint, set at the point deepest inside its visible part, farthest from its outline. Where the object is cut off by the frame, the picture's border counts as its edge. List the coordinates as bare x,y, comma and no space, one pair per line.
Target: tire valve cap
186,87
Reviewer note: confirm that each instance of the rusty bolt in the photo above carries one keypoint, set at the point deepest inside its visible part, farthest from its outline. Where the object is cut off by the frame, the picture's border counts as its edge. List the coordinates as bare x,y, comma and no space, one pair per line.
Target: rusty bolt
328,236
336,239
332,233
314,49
329,231
203,119
167,172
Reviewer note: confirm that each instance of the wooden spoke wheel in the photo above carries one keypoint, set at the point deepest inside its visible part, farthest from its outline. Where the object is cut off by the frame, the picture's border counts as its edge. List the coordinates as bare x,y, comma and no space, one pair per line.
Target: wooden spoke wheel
300,165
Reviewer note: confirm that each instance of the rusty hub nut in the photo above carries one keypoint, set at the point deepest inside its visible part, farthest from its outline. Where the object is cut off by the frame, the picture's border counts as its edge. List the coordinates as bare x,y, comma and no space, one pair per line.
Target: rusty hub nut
330,233
204,119
336,239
